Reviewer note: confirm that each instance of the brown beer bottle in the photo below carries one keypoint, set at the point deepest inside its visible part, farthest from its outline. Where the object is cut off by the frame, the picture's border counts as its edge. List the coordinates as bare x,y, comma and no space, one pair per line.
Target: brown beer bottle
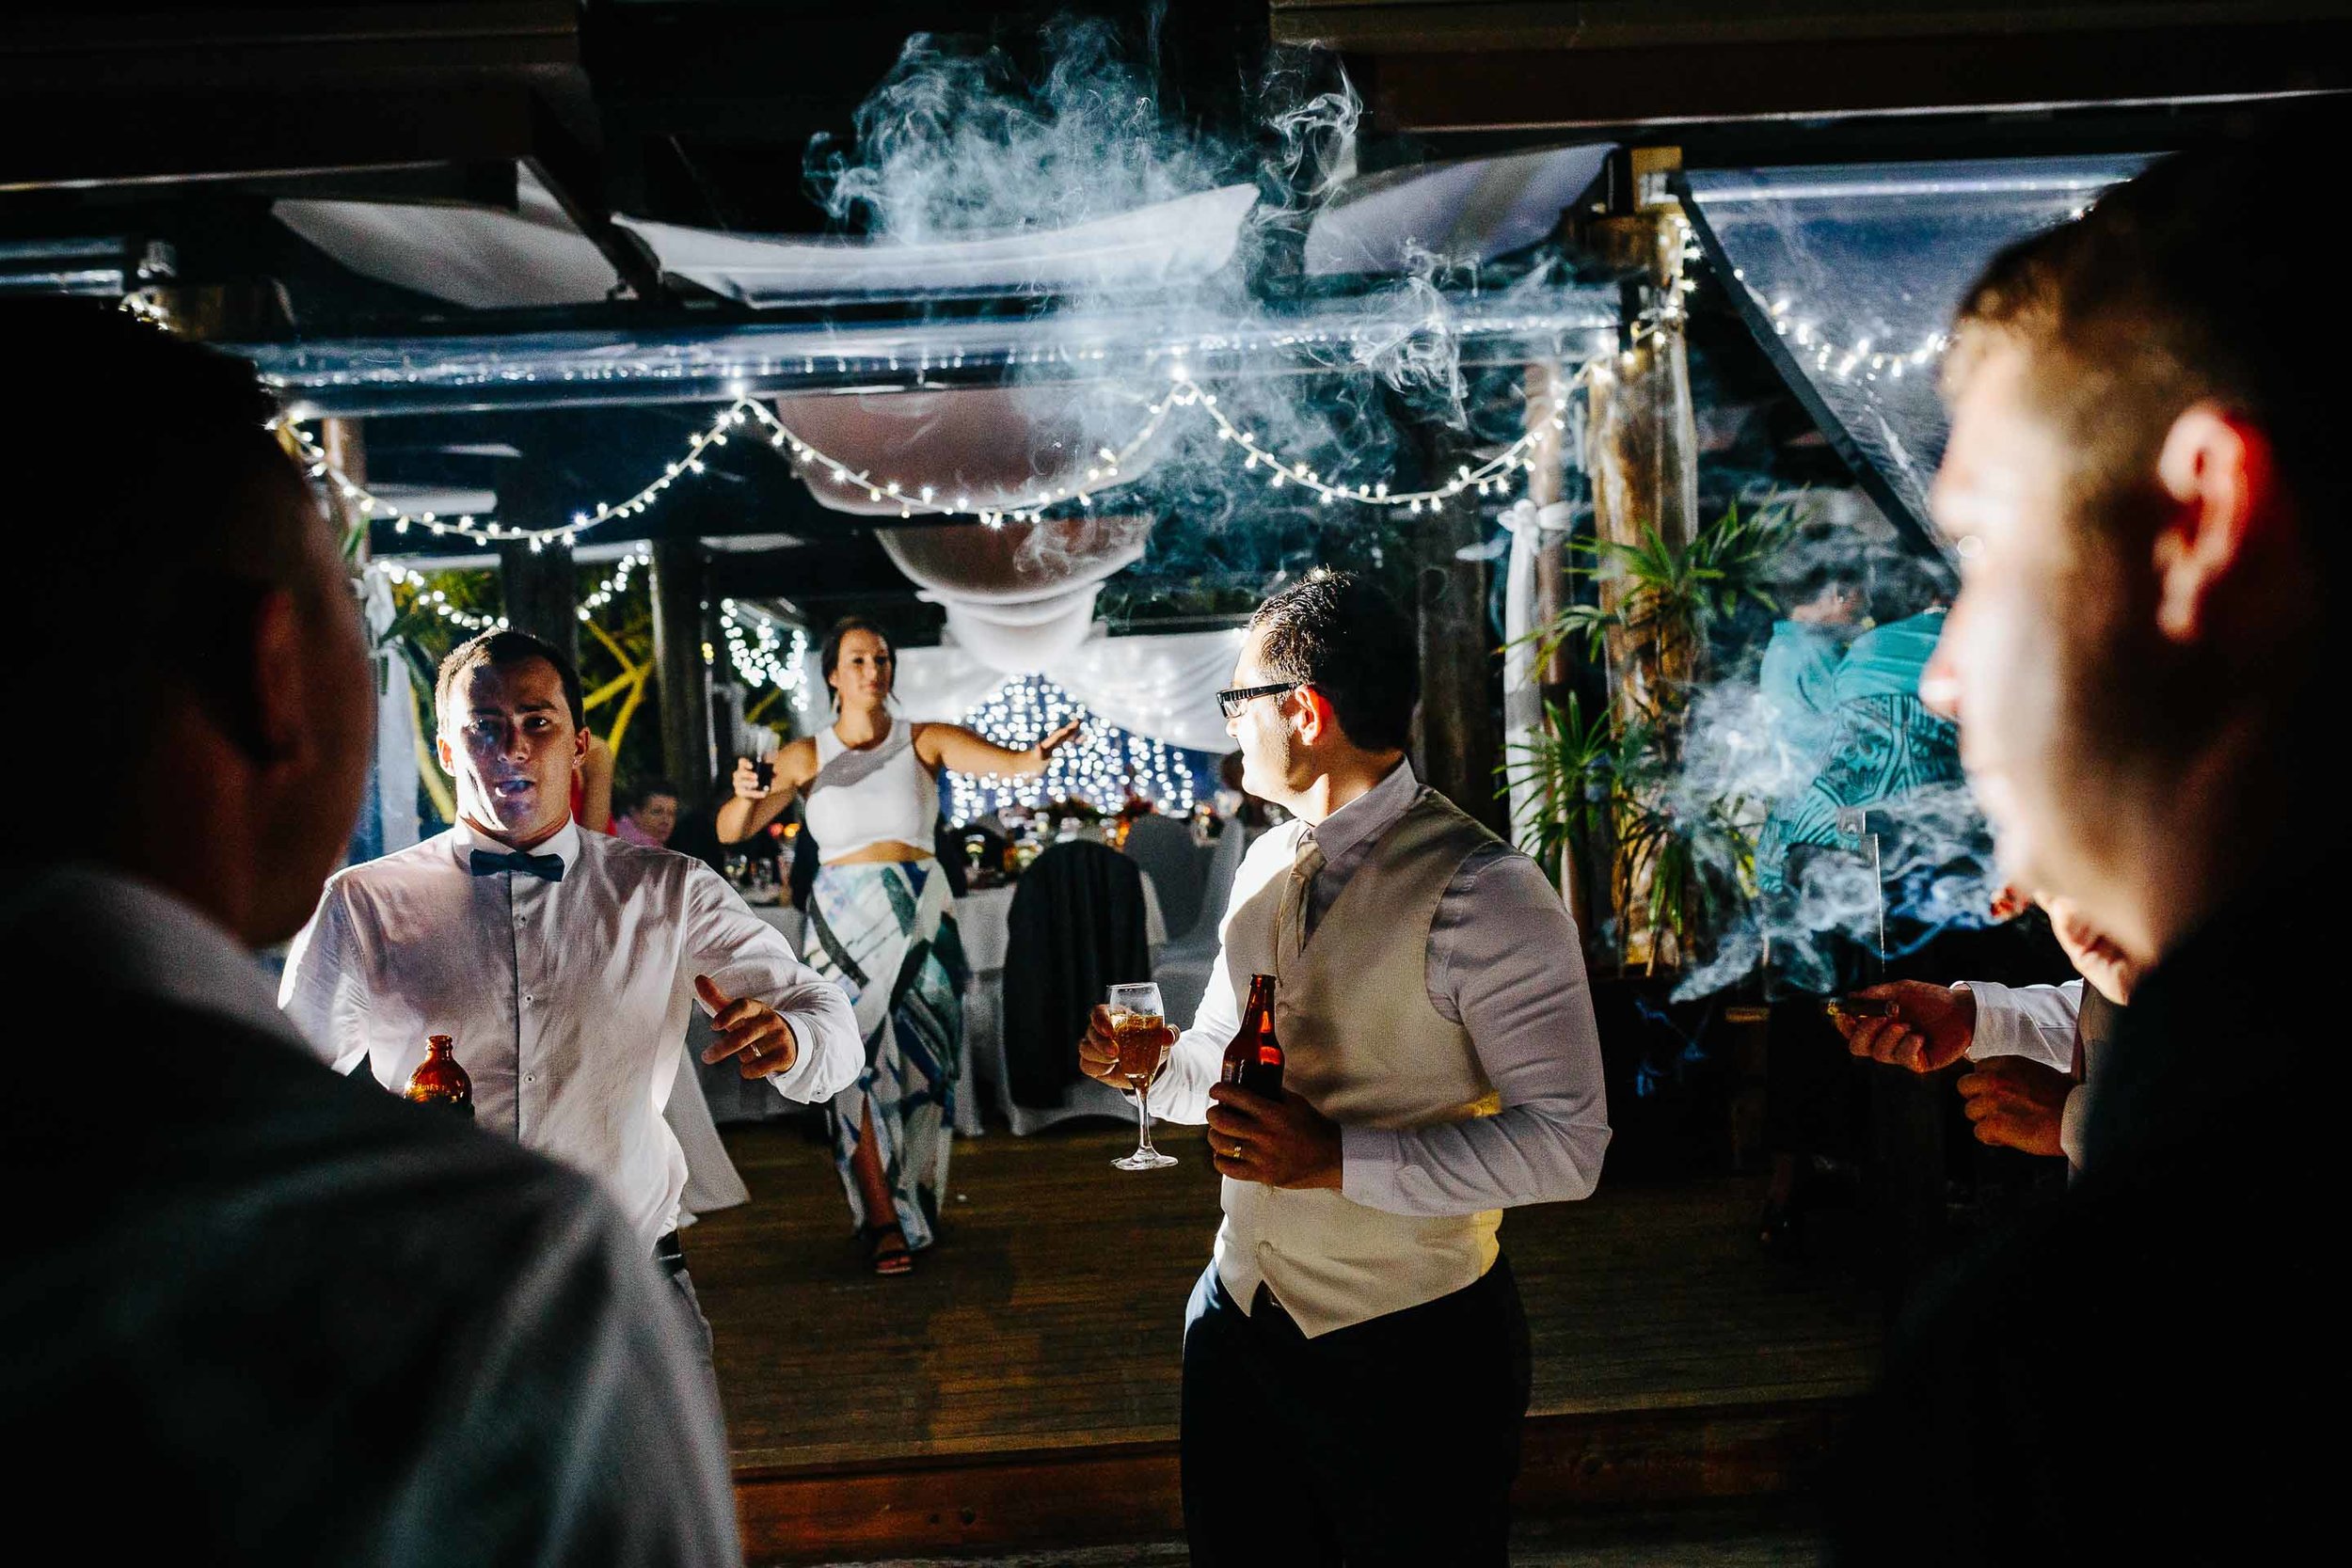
1254,1060
439,1080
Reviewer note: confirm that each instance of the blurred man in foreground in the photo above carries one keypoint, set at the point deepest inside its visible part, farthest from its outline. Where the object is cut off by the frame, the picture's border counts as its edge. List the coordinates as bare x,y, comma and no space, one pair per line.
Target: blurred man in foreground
260,1314
2141,489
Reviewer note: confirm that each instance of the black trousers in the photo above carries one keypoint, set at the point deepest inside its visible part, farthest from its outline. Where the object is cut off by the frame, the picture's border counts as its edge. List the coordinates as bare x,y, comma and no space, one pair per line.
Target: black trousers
1393,1441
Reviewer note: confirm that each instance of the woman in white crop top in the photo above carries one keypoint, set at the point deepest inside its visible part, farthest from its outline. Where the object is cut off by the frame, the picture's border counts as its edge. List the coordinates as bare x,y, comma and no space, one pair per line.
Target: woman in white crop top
881,926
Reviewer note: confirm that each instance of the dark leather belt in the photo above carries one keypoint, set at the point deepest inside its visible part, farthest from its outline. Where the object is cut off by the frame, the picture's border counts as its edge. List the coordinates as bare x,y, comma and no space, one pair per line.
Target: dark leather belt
669,1255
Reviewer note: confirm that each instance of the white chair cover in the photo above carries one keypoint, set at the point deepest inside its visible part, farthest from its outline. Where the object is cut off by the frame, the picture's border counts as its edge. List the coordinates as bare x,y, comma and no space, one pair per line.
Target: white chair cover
712,1182
1182,966
1163,847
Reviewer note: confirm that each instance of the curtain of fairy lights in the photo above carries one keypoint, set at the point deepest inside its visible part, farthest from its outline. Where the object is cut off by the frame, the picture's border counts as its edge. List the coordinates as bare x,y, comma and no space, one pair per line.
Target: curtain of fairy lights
1105,767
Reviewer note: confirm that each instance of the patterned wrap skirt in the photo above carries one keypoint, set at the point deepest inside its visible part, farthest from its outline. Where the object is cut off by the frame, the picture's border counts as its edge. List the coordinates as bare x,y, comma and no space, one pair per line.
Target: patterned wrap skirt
886,935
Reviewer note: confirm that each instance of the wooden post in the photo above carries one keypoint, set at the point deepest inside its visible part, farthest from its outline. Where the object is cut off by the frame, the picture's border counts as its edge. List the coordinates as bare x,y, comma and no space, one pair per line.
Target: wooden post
1547,386
347,451
1459,743
688,748
542,591
1641,450
1641,445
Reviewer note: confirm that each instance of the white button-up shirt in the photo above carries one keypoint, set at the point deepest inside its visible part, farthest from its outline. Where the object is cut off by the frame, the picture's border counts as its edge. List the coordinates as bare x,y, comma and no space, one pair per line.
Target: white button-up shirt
1504,963
566,1000
2038,1024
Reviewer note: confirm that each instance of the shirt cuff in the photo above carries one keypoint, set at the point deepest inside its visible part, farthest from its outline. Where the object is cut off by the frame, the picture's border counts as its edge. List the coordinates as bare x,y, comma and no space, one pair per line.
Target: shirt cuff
792,1083
1371,1161
2002,1024
1994,1033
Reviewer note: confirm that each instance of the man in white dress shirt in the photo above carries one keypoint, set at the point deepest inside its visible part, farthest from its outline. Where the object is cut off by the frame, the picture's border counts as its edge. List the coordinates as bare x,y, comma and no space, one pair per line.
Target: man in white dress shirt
2034,1048
1355,1356
563,963
263,1316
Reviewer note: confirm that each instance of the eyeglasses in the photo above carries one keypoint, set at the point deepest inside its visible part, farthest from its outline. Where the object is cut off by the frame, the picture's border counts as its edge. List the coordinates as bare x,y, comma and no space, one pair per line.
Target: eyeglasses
1231,703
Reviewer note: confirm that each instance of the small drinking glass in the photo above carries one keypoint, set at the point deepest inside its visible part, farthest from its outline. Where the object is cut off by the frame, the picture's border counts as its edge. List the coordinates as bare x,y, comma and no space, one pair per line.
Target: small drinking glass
1139,1029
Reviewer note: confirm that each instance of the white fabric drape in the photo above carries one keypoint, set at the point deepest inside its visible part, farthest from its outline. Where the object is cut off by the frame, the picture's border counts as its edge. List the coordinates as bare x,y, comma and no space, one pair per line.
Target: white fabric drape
1161,688
484,258
1522,690
1168,242
1466,210
395,724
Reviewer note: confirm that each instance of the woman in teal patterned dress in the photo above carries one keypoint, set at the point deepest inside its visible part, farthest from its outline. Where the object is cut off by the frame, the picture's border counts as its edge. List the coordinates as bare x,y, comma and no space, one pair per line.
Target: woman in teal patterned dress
1875,757
881,926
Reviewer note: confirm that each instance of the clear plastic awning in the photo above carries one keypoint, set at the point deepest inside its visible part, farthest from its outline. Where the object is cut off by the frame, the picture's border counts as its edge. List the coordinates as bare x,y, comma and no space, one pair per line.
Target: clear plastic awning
1849,275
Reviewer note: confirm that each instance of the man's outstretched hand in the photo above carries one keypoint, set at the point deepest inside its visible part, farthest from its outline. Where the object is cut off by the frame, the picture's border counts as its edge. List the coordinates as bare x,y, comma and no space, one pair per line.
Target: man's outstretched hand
751,1032
1928,1030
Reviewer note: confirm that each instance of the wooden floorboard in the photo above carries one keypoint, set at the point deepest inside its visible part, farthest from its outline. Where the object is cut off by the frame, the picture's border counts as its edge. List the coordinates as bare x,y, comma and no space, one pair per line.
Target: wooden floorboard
1050,1316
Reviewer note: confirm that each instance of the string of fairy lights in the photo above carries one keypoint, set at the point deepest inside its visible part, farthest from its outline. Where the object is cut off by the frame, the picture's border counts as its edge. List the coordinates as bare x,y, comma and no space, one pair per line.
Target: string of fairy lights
1110,465
1107,467
1867,358
1106,765
427,599
434,601
763,652
618,584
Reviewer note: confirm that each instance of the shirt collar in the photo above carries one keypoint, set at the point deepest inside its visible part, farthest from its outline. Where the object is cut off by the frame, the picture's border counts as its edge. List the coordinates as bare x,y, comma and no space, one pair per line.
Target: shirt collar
564,844
1368,815
153,943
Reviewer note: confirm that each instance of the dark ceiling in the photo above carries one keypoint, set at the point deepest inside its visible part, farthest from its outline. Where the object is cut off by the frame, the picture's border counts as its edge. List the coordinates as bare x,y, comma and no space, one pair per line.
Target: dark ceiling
168,131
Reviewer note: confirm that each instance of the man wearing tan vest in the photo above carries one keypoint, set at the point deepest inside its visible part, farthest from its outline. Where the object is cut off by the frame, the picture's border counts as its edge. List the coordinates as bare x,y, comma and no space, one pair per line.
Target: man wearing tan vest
1356,1360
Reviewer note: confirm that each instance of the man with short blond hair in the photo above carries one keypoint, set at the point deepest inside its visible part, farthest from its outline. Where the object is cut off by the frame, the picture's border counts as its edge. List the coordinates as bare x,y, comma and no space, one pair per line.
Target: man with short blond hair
2141,489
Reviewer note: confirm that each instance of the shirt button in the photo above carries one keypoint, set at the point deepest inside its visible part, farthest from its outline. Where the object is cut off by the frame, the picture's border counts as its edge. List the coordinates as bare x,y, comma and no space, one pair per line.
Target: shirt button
529,996
530,1078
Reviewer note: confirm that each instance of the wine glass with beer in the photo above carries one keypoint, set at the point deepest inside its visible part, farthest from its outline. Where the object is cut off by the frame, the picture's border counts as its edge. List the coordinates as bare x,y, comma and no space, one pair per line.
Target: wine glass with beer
1139,1029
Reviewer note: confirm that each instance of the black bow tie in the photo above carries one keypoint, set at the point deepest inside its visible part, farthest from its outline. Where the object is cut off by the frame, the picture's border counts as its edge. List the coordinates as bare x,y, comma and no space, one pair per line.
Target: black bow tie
485,864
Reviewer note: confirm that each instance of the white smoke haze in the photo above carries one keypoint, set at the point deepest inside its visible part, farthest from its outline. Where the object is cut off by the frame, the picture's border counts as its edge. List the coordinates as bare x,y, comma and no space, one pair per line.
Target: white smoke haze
955,141
1739,754
1314,144
959,141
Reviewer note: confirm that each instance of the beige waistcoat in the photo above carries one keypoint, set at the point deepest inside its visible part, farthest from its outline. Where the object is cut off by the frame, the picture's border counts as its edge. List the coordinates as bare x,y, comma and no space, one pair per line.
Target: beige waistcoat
1364,1046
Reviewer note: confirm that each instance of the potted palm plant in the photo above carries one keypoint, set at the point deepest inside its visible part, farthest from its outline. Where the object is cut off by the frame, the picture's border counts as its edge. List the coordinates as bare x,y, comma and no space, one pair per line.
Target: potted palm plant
1613,780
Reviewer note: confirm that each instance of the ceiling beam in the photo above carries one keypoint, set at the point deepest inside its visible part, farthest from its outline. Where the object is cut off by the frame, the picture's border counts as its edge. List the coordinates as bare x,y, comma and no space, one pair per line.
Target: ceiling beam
1475,67
92,98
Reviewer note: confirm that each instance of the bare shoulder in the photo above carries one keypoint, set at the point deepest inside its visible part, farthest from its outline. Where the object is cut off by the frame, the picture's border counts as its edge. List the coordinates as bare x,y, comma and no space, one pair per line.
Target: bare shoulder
931,735
796,761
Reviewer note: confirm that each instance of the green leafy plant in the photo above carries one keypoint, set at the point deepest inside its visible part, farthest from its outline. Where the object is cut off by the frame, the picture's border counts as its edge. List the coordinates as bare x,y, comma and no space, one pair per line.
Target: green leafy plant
1656,595
1677,863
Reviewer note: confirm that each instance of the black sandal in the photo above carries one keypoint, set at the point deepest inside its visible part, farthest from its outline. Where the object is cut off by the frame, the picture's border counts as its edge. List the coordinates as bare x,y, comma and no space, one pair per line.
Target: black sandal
890,1259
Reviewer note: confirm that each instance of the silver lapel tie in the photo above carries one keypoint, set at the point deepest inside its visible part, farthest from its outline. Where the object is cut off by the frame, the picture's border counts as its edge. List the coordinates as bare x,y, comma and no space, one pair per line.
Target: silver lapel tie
1290,921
